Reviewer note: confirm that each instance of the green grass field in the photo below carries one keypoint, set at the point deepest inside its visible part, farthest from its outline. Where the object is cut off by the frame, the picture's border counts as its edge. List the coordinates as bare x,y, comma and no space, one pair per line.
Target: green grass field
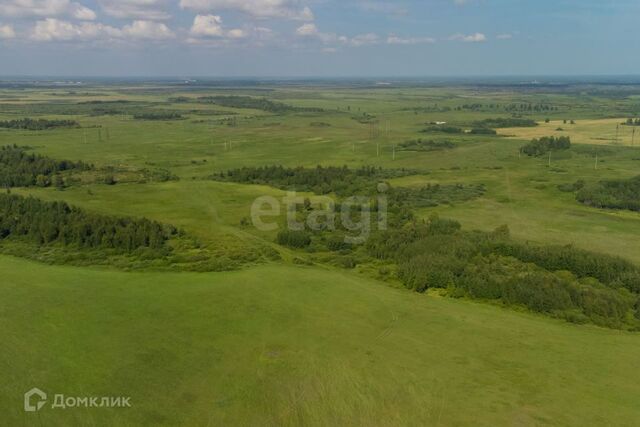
280,344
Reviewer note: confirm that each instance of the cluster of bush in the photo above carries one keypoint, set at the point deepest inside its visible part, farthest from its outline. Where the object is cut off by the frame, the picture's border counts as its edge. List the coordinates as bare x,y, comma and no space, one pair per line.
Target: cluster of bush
426,145
444,129
539,147
523,107
21,169
46,223
562,281
633,122
237,101
37,124
342,181
612,194
506,122
433,195
158,115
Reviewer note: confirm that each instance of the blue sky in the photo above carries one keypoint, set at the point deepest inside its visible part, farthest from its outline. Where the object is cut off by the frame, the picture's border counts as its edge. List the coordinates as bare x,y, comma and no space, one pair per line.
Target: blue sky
318,37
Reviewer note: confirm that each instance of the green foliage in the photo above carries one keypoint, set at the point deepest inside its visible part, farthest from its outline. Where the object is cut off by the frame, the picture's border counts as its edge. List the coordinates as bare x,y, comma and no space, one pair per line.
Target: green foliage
573,187
610,270
436,194
557,280
37,124
483,131
426,145
612,194
158,115
237,101
294,239
539,147
46,223
20,169
506,122
342,181
444,129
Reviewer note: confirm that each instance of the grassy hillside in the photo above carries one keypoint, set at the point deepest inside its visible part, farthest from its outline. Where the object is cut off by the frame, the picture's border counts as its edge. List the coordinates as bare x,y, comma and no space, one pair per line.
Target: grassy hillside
280,345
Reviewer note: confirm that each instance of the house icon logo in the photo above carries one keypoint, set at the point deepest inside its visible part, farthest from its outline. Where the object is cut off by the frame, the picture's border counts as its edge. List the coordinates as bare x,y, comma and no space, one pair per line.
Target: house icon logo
34,400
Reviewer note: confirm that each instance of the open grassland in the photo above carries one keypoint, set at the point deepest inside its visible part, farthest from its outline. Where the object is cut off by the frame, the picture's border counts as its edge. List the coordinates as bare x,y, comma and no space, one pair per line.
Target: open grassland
281,345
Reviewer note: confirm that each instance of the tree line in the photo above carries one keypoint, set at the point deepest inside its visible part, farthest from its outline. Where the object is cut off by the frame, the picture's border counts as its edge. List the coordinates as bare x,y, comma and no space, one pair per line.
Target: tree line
46,223
37,124
506,122
342,181
561,281
264,104
158,115
18,168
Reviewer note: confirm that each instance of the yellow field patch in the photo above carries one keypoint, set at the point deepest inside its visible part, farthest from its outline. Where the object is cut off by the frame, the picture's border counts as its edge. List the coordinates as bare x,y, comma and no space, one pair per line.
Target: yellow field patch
600,132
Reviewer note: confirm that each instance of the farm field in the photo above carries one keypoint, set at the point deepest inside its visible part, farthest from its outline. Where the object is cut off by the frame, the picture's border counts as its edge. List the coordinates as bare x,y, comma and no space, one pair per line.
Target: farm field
212,320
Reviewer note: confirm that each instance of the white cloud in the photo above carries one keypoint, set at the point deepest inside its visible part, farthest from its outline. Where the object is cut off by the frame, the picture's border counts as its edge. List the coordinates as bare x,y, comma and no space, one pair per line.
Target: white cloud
142,9
307,30
504,36
46,8
311,31
211,26
148,30
289,9
7,32
81,12
237,33
364,39
207,26
393,39
471,38
52,29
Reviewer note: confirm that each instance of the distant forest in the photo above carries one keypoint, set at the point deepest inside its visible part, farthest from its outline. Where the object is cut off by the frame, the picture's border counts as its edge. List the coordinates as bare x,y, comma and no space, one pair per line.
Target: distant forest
37,124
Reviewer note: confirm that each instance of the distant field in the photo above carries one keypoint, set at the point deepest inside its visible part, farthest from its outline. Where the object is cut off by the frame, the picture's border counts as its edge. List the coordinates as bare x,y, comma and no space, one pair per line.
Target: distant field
595,132
287,346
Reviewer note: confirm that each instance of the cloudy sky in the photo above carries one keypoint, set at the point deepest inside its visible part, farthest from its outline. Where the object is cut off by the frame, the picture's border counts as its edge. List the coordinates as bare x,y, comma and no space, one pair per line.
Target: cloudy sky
318,37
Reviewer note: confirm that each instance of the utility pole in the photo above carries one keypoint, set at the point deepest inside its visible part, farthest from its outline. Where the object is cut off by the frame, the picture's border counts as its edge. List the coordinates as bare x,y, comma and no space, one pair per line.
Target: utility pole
549,158
596,167
633,135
